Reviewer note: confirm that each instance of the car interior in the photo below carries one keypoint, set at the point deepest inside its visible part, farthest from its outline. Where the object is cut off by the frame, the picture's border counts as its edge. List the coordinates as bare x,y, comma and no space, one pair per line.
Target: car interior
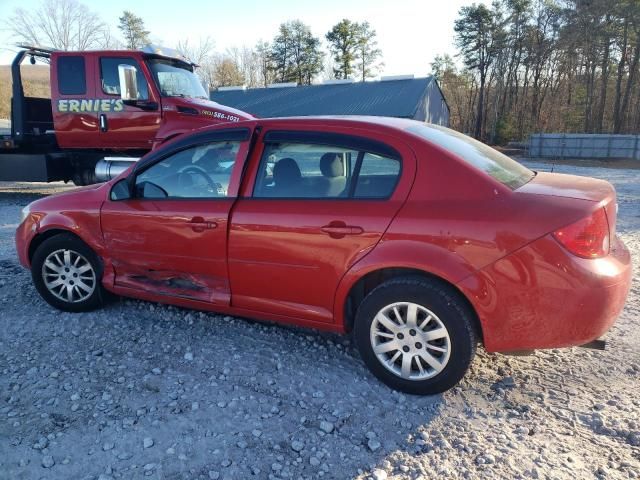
326,175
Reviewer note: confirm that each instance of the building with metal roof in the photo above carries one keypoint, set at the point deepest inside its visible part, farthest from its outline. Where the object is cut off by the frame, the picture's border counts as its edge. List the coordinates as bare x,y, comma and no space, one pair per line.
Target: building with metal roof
404,97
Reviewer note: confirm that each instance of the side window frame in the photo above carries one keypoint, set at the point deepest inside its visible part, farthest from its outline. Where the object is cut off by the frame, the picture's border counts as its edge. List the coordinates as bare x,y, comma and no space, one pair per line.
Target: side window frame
242,135
362,145
141,77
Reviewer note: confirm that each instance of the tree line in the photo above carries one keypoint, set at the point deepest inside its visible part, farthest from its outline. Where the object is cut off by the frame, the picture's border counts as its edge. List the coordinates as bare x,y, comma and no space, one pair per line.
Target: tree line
293,55
544,65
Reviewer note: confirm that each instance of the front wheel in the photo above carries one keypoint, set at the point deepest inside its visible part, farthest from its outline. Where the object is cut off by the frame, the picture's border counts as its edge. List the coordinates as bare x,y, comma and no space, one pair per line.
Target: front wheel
416,335
67,273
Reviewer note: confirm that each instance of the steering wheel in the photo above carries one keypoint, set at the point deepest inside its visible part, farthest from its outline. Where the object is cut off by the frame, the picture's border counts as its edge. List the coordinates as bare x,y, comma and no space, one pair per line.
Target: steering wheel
202,172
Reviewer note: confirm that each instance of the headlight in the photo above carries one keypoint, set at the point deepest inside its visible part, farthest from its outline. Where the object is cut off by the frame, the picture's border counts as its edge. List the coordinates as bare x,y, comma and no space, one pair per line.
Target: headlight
25,213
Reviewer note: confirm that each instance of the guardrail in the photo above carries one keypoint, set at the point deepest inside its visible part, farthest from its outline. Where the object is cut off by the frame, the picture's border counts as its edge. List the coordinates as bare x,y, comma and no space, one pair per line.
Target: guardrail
577,145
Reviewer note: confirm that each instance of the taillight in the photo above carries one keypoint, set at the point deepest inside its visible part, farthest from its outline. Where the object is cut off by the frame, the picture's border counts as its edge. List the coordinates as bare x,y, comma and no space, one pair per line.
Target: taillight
587,238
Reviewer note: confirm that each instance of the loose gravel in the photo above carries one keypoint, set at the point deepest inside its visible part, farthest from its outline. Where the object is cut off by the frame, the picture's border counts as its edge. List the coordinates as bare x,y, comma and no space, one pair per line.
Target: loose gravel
140,390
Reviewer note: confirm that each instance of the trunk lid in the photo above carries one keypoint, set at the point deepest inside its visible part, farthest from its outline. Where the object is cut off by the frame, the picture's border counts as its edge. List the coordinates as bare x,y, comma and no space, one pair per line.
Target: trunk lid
600,192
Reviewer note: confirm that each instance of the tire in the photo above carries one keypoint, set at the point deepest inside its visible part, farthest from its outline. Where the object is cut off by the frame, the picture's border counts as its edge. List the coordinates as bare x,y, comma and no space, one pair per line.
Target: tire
63,264
425,360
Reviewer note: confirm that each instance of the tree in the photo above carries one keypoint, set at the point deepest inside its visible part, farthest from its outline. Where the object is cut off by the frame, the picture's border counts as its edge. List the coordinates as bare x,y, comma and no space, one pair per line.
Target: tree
61,24
266,69
478,40
342,40
203,55
441,66
295,53
133,30
227,73
368,54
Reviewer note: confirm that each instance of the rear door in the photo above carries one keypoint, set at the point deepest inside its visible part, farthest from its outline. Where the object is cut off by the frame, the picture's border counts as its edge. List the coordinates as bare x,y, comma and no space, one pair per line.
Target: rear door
72,94
317,202
171,238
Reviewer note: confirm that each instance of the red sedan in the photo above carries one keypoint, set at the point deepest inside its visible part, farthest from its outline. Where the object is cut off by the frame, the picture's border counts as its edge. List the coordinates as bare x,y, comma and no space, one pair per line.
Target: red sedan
420,240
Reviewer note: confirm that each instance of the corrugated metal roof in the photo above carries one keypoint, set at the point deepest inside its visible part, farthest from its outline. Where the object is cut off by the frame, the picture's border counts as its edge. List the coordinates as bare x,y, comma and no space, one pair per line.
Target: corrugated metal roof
395,98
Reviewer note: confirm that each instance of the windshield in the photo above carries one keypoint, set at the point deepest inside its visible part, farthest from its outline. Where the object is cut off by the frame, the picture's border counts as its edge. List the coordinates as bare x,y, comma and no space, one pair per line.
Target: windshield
502,168
175,79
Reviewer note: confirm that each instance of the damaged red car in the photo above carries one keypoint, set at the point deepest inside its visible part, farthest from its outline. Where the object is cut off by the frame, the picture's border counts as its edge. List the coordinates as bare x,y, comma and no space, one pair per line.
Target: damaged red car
416,238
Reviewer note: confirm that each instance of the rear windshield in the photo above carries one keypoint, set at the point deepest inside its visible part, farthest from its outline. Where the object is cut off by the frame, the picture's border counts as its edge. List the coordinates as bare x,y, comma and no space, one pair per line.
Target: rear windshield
481,156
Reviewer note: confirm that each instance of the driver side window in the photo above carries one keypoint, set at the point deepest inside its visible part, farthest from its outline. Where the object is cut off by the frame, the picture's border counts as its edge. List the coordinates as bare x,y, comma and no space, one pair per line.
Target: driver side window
198,172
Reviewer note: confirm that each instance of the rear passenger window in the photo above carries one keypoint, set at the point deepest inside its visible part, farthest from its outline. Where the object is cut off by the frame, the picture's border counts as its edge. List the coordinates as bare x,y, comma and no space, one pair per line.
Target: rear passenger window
377,177
302,170
72,77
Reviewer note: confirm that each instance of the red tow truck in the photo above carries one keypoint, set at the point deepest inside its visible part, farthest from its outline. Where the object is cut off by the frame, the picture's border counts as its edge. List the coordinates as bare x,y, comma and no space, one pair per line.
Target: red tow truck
107,108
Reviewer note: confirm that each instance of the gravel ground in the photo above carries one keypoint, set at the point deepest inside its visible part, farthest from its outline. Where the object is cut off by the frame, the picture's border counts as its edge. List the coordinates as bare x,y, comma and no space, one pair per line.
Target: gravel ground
142,390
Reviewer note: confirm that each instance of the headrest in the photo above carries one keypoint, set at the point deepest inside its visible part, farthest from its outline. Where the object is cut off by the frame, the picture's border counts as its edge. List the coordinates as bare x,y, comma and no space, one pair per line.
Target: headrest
331,165
286,169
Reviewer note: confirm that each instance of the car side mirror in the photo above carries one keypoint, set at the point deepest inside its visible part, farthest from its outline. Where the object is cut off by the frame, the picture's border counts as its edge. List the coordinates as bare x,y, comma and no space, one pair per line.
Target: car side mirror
128,83
120,190
150,190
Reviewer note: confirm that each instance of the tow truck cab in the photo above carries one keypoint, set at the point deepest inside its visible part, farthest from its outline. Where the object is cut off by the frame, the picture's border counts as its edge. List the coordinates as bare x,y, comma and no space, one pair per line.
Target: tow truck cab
103,103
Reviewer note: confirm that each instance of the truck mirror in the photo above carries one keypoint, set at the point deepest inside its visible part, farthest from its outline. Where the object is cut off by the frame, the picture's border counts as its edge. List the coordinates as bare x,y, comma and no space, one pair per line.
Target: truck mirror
128,83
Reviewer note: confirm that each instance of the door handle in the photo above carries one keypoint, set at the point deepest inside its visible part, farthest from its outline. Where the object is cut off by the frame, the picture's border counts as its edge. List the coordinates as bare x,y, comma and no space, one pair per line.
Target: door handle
340,229
104,125
199,224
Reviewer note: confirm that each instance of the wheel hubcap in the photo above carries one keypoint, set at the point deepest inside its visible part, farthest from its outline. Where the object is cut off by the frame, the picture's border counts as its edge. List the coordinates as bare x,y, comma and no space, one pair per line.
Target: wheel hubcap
68,276
410,341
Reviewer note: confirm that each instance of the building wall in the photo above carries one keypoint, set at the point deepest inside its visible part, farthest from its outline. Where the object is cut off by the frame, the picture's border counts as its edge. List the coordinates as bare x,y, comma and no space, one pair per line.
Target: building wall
435,107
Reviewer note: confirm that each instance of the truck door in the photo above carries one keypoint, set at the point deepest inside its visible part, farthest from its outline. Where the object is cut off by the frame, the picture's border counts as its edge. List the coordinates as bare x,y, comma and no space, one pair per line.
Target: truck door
74,119
125,126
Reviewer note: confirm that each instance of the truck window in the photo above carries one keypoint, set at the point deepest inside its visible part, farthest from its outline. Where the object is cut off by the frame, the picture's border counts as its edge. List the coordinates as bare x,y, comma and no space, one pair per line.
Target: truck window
111,81
72,77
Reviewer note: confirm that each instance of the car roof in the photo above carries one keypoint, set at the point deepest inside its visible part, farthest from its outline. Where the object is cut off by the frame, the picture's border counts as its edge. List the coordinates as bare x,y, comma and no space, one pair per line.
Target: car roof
329,120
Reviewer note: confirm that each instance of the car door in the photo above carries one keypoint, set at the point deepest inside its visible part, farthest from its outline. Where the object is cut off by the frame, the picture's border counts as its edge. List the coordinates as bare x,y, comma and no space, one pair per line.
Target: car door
168,234
121,125
319,201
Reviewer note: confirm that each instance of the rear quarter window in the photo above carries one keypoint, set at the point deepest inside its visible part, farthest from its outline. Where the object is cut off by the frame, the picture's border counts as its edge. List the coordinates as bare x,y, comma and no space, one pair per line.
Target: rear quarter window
72,77
484,158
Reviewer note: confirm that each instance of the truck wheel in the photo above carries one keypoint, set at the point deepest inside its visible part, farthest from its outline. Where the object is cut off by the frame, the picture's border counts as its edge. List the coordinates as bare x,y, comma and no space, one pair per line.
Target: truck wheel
416,335
67,274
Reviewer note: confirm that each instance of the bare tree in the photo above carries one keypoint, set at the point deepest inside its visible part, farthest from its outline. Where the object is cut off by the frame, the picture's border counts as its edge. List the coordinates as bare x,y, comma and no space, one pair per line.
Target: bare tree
266,71
203,55
61,24
198,53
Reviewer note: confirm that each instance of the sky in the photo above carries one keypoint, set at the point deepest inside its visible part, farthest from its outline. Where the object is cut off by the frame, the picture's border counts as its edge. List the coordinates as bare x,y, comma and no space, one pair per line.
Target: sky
410,32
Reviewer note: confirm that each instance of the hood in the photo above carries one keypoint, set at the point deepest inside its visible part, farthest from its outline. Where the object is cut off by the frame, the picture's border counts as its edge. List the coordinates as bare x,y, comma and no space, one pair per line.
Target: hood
88,193
200,107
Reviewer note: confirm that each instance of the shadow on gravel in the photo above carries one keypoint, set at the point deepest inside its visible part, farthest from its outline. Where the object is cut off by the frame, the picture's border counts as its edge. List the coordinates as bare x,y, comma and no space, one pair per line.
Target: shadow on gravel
215,394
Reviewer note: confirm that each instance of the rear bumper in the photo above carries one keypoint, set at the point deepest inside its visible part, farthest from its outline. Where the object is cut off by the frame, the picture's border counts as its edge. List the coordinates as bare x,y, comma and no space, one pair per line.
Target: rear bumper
543,297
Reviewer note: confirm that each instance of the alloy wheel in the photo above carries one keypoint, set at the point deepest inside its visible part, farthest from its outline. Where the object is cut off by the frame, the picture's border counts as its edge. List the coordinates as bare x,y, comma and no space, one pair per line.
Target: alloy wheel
69,276
410,341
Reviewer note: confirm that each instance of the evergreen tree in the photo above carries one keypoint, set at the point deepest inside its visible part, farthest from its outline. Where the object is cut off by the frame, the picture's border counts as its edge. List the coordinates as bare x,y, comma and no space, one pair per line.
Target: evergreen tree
342,43
133,30
295,53
367,51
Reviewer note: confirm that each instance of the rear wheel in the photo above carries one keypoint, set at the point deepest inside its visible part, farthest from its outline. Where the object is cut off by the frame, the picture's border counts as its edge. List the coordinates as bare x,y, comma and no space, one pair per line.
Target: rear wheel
67,273
416,335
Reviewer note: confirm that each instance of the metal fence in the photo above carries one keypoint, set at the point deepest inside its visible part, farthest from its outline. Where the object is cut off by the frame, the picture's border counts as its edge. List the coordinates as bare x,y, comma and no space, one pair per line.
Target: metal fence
574,145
